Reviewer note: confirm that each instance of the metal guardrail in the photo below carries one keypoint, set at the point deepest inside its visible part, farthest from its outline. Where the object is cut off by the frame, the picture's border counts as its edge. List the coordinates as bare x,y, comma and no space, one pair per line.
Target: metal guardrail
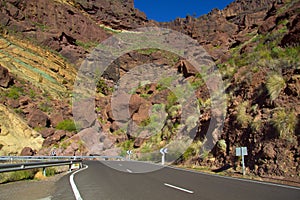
29,162
31,158
33,165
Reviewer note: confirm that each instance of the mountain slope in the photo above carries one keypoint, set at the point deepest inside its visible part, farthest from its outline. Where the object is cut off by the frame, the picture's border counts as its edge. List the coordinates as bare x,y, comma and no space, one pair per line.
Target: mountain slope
255,45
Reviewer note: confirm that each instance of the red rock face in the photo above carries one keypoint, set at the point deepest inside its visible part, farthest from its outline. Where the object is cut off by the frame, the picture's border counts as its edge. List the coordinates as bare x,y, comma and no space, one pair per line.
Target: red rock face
220,29
292,38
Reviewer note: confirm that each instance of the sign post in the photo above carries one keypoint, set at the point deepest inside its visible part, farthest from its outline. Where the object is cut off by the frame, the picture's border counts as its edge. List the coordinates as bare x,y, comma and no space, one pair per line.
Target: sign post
163,151
129,152
242,151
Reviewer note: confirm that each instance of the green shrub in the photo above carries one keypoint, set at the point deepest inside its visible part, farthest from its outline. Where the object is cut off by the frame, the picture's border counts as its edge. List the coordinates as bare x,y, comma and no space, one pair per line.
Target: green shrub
17,175
67,125
275,84
146,148
102,87
126,145
192,150
197,81
172,99
221,144
50,171
285,122
14,92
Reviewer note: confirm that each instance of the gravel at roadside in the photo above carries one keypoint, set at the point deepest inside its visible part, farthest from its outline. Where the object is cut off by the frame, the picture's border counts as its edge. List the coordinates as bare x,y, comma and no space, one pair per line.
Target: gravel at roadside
29,189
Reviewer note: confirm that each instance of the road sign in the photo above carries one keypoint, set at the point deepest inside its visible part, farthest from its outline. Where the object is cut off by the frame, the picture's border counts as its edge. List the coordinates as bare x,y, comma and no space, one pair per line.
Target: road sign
163,151
129,152
242,151
53,153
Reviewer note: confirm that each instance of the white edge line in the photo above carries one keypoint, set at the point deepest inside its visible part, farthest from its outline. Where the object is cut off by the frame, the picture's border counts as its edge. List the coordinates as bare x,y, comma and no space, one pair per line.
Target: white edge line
234,178
73,185
128,170
178,188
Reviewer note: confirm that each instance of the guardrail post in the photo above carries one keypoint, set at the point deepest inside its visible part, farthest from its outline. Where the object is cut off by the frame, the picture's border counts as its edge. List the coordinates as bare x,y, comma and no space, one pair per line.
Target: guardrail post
70,167
44,171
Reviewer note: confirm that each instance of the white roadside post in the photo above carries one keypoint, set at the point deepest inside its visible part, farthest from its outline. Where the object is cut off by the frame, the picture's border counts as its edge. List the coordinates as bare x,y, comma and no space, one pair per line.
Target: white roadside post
163,151
129,152
242,151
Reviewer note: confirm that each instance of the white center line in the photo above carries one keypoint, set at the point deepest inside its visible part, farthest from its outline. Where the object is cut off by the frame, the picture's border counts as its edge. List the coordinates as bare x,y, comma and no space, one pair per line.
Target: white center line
129,170
178,188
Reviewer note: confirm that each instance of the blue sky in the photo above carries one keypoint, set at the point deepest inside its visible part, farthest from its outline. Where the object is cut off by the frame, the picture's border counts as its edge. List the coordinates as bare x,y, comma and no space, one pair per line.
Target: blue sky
167,10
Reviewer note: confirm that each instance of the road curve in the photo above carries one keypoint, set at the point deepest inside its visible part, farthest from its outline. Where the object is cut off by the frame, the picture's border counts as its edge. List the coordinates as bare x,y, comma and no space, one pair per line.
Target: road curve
102,182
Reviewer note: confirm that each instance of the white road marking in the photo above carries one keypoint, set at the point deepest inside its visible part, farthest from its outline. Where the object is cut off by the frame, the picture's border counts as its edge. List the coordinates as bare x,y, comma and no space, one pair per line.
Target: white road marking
120,165
234,178
128,170
73,185
178,188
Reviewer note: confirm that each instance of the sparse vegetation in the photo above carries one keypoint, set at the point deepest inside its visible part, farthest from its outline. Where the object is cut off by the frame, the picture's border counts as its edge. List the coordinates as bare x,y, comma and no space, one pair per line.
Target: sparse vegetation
86,45
17,175
222,145
285,122
275,84
102,87
197,81
45,107
15,92
126,145
192,150
243,117
147,51
67,125
50,171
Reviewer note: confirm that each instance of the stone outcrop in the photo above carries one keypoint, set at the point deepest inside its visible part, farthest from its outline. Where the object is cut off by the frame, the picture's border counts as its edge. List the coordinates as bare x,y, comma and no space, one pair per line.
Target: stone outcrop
15,134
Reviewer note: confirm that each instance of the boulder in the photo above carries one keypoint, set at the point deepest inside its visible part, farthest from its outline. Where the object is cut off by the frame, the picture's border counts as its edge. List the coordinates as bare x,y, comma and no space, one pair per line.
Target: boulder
55,118
58,135
5,79
186,68
144,135
135,102
143,113
14,103
27,151
47,132
54,139
84,113
37,118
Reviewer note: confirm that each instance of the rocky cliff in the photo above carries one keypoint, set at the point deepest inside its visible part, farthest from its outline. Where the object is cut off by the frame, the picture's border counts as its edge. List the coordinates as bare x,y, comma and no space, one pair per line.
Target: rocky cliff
255,45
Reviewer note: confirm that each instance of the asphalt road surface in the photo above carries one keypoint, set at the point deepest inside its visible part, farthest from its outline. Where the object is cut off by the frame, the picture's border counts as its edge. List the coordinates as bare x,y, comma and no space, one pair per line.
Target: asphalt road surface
101,182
